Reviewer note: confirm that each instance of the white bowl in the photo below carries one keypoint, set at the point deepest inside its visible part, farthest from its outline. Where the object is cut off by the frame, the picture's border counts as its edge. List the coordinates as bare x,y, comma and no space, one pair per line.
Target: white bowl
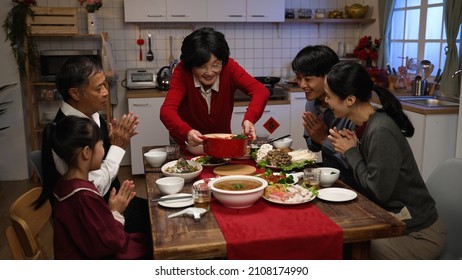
170,185
328,176
195,150
186,176
283,143
155,158
238,199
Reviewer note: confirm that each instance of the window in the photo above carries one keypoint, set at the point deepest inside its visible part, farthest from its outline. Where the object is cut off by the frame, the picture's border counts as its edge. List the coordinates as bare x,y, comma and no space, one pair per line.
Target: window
418,33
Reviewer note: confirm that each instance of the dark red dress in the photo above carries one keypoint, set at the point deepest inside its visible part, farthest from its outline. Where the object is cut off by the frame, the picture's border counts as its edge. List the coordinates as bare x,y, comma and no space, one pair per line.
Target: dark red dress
84,227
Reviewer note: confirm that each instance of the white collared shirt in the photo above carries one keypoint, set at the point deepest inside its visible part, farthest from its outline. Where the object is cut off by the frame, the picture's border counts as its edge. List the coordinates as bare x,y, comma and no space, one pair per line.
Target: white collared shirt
103,177
207,94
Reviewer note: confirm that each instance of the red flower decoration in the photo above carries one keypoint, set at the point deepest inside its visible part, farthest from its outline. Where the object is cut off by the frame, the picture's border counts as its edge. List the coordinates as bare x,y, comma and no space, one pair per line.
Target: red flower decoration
367,49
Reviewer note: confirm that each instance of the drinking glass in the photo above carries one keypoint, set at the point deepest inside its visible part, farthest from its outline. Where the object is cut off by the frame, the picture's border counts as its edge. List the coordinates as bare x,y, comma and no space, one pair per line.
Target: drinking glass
201,195
312,177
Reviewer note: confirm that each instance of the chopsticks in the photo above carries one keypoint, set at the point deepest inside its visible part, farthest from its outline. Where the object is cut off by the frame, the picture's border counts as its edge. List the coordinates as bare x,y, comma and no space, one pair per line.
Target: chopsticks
187,196
279,138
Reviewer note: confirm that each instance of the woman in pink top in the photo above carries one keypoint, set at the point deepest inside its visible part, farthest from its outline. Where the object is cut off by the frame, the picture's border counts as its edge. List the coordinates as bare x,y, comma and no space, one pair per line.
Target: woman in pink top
200,99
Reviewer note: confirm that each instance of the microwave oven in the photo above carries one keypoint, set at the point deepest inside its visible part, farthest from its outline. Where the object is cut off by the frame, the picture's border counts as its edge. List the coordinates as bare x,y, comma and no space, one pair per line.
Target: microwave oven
52,60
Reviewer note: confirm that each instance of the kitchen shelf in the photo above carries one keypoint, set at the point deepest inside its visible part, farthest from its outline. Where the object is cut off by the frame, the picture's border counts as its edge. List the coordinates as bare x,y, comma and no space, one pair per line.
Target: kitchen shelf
331,20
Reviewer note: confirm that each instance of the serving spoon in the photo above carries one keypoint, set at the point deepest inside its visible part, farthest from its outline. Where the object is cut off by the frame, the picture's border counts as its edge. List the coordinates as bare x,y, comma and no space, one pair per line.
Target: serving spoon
191,211
150,54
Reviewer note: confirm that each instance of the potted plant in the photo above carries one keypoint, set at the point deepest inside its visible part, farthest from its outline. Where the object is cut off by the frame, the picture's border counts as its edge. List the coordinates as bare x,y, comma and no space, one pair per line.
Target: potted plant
17,32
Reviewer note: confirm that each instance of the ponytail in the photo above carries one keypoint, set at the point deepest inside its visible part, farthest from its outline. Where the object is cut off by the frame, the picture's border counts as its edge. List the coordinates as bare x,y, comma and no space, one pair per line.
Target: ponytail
393,108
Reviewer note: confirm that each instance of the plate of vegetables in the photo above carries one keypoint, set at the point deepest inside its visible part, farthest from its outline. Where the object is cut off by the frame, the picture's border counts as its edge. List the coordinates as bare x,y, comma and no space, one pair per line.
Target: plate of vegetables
205,160
278,177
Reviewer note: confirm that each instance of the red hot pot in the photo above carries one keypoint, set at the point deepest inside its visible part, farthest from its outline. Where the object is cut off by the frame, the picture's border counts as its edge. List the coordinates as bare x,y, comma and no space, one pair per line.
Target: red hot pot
220,145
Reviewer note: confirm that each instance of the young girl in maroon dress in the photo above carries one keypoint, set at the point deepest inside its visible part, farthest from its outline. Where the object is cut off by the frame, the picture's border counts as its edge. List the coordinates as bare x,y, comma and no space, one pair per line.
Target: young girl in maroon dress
85,227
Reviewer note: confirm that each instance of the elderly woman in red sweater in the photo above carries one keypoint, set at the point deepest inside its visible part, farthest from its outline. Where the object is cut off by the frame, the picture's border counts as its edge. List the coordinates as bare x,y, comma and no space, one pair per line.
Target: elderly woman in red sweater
200,99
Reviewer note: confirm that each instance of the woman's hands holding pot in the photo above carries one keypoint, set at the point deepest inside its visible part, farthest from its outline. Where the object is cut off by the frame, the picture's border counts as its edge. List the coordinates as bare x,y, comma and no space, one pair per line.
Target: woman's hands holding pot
249,129
194,137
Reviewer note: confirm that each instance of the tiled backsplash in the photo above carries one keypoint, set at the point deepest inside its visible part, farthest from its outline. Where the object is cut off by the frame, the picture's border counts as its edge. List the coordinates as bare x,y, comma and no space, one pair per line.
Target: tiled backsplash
263,49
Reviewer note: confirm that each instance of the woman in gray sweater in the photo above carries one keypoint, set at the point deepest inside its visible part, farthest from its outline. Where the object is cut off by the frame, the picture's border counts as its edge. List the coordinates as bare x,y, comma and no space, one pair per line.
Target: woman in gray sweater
383,163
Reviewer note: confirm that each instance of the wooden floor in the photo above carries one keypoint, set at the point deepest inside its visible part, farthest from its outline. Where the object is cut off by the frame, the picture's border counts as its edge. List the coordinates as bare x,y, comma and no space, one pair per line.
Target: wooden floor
10,190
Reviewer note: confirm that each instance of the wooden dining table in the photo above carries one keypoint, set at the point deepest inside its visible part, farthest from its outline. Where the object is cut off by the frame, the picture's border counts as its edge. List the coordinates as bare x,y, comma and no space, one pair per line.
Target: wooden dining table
184,238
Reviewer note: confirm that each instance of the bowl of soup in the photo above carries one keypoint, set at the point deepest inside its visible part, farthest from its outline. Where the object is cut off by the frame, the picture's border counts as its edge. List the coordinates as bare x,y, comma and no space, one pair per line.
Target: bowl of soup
238,191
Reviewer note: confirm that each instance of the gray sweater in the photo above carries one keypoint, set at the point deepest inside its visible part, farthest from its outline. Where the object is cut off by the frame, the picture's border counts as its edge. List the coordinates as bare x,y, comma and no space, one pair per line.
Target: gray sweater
385,167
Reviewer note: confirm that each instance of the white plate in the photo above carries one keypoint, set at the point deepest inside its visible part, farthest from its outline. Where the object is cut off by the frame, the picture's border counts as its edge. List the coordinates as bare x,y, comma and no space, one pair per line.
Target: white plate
336,194
289,203
177,203
223,161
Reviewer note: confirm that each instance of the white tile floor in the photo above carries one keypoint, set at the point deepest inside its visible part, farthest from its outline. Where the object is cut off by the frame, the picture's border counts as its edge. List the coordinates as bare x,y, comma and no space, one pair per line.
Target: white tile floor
10,190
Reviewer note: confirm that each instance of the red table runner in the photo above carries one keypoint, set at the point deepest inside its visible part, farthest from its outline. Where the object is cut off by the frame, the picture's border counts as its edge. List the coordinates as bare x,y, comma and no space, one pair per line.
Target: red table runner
270,231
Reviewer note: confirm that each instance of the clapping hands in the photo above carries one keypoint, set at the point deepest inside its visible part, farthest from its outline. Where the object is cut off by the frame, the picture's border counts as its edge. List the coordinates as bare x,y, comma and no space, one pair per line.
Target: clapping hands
121,131
118,201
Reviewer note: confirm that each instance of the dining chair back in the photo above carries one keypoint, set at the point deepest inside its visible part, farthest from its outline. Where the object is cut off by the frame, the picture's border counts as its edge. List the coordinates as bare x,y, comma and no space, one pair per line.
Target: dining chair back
33,227
13,243
445,185
35,159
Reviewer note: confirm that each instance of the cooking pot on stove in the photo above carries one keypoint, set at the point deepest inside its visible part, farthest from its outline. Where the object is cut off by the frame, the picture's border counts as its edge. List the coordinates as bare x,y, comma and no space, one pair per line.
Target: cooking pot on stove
268,80
163,78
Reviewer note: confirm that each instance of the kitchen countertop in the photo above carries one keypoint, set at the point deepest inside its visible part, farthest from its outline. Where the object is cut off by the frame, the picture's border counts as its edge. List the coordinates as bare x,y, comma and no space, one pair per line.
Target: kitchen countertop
420,109
150,93
155,93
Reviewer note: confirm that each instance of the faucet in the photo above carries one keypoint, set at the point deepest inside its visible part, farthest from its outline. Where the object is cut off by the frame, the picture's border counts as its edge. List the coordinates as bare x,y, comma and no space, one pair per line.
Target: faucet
456,73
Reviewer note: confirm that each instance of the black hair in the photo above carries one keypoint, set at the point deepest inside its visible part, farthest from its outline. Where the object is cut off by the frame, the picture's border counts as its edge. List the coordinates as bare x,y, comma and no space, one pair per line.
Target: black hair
350,78
66,138
75,73
314,61
199,46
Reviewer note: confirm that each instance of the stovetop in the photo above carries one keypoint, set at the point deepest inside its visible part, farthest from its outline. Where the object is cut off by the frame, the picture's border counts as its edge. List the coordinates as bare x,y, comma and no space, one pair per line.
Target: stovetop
276,93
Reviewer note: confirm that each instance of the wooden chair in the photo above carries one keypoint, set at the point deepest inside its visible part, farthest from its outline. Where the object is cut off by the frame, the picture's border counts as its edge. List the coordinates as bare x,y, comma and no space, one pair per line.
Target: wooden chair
13,243
33,227
445,186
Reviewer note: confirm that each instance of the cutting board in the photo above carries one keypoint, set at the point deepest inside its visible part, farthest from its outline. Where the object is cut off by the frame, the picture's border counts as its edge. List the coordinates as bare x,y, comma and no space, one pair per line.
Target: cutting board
234,169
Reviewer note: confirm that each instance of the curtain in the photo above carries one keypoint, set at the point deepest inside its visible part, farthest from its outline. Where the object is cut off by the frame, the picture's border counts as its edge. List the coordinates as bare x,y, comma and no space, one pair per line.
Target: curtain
452,19
385,10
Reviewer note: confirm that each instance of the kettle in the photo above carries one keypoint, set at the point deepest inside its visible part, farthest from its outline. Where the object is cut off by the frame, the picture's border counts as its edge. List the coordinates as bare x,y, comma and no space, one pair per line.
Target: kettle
163,78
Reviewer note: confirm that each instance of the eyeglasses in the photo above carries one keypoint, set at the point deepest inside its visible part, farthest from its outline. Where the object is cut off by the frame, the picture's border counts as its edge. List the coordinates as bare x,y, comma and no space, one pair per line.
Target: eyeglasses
216,67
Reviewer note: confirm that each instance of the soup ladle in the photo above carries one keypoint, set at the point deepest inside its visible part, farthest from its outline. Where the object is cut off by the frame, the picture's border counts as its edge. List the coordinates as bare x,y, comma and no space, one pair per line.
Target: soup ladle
191,211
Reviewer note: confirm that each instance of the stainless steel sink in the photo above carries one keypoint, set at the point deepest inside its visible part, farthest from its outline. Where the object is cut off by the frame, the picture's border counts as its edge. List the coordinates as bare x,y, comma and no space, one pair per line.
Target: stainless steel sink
430,101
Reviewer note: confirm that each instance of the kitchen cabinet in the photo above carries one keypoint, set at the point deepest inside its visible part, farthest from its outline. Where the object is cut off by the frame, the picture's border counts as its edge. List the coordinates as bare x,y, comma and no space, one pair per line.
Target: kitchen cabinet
145,10
267,11
297,107
151,131
434,139
226,11
204,11
280,113
186,10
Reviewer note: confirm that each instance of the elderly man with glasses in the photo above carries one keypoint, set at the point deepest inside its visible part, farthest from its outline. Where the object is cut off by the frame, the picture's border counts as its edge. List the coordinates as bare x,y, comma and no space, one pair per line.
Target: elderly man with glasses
200,99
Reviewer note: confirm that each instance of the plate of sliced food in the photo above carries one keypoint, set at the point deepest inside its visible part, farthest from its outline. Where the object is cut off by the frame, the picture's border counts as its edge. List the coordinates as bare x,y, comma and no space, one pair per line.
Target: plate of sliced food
205,160
289,194
268,157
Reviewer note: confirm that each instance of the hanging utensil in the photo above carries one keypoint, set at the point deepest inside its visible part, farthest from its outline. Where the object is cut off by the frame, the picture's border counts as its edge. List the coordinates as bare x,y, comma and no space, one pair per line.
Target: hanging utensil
140,43
171,57
150,54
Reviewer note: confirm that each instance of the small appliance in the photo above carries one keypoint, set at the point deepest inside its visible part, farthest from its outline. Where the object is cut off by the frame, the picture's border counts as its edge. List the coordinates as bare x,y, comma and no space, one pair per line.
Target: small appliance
141,78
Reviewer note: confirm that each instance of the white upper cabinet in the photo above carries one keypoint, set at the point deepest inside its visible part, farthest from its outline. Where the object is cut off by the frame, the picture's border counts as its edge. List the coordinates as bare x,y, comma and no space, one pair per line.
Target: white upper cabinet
186,10
265,10
226,10
204,10
145,10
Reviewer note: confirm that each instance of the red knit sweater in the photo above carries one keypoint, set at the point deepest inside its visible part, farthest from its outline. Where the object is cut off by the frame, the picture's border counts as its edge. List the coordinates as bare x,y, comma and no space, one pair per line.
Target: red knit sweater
184,107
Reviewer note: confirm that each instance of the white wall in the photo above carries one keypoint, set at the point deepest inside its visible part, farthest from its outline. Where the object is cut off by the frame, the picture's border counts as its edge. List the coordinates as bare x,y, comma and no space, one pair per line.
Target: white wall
13,151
